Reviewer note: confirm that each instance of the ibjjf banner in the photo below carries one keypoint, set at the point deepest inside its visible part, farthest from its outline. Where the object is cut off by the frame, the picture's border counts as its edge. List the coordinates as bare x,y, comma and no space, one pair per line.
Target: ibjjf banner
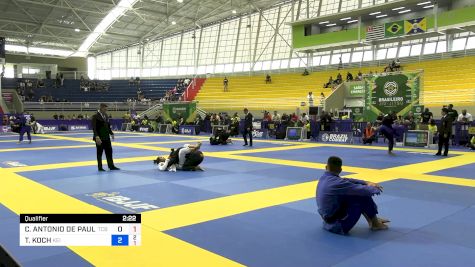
174,111
78,127
187,129
392,92
2,50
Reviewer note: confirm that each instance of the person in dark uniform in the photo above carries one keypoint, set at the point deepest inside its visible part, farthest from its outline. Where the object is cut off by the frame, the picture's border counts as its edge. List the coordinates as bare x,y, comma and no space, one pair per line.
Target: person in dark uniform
445,132
247,127
102,136
387,130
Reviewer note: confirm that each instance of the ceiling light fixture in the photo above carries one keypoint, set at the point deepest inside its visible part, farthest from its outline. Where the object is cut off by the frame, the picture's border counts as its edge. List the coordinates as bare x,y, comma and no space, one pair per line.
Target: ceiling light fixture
179,1
234,11
375,13
382,16
173,22
345,18
398,8
404,11
332,24
324,22
428,6
102,27
77,30
424,3
352,21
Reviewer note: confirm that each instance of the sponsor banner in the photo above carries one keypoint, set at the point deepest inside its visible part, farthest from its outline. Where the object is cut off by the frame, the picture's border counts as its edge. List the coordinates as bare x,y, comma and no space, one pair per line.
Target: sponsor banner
392,92
78,127
175,111
118,200
356,89
145,129
417,138
357,113
187,129
294,133
50,128
258,133
336,137
374,32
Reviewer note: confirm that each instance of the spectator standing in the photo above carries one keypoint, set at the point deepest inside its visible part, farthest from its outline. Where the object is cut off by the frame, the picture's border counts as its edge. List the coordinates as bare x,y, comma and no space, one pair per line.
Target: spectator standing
225,84
426,116
268,79
322,100
310,99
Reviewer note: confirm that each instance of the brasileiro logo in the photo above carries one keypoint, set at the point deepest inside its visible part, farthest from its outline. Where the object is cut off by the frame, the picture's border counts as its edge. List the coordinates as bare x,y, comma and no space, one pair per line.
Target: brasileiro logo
390,88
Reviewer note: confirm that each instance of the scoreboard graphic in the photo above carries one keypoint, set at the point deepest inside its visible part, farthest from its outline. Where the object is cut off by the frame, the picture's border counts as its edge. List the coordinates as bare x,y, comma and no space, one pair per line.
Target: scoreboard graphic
80,229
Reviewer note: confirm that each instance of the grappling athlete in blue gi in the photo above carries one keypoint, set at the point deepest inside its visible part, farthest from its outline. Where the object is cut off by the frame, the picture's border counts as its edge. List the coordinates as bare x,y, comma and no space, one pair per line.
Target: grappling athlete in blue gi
342,201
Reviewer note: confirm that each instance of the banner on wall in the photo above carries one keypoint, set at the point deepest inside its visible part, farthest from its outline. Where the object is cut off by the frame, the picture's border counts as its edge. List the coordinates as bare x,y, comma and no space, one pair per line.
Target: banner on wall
174,111
356,89
394,92
357,113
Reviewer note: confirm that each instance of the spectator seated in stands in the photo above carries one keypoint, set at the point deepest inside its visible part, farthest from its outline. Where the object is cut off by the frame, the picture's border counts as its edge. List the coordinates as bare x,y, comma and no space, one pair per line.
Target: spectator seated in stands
234,127
396,65
349,77
131,81
305,72
268,79
329,83
369,135
360,76
339,79
410,121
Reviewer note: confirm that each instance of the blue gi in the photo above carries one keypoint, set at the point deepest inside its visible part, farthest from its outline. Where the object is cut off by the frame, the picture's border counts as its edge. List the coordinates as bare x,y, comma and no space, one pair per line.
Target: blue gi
388,131
25,127
341,202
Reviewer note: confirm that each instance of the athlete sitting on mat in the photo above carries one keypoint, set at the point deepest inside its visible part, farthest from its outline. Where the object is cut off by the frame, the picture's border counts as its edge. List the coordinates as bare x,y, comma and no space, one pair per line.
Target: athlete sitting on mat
186,158
342,201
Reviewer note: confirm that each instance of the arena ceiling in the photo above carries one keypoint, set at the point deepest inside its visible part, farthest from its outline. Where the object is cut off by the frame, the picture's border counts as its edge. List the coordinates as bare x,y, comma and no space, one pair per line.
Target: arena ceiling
66,24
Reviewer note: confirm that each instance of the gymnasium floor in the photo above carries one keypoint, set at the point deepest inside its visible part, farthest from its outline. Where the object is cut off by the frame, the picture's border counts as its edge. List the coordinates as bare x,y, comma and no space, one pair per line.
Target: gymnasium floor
252,206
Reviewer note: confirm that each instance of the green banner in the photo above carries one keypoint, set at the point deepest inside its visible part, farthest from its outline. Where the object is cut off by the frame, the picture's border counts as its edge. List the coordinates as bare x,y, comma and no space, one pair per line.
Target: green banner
174,111
357,113
393,29
356,89
387,93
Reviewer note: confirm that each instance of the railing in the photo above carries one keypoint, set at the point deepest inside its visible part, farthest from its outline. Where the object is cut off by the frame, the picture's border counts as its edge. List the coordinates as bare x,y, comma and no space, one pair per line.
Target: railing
86,106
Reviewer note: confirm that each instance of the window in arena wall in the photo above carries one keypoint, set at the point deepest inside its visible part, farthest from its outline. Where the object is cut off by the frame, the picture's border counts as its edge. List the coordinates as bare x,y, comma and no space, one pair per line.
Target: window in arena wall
266,65
429,48
201,70
459,44
335,58
103,61
357,57
247,38
441,47
133,57
329,7
367,3
347,5
227,42
151,57
345,57
404,51
238,67
392,53
265,41
282,49
312,8
209,37
325,60
368,55
170,51
186,54
258,66
275,65
9,71
416,50
381,54
316,61
471,43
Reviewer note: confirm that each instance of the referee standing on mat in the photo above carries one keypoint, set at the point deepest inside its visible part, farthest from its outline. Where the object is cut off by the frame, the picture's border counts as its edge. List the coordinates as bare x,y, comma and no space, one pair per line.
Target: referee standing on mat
102,137
247,127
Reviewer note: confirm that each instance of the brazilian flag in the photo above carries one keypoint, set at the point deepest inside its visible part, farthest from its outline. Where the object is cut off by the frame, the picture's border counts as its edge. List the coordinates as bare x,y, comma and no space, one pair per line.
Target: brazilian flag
412,26
393,29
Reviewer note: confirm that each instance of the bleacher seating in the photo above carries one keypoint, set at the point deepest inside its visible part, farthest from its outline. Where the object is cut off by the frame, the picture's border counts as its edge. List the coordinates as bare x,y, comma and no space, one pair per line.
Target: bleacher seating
119,90
445,81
